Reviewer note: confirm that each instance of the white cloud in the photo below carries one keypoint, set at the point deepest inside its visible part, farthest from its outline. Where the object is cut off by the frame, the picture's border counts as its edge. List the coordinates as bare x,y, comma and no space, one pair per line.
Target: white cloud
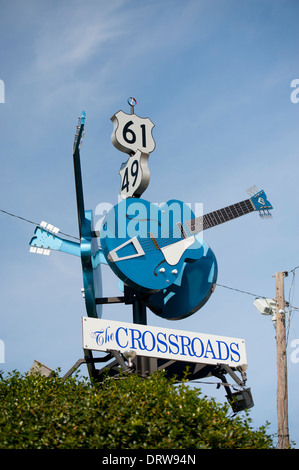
66,44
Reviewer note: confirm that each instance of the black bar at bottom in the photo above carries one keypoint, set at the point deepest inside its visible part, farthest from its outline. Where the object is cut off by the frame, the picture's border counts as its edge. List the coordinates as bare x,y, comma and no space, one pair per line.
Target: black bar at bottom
110,300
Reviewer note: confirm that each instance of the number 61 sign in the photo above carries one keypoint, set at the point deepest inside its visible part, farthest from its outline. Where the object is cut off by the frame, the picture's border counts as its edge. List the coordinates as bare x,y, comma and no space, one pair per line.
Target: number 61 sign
133,135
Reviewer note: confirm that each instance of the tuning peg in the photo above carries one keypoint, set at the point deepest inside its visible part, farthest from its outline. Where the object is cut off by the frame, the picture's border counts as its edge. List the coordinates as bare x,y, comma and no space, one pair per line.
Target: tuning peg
252,190
262,214
49,227
40,251
265,214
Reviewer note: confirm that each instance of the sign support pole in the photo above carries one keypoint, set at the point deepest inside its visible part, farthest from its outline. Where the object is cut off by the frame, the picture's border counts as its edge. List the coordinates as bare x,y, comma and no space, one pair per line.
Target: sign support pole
282,388
139,310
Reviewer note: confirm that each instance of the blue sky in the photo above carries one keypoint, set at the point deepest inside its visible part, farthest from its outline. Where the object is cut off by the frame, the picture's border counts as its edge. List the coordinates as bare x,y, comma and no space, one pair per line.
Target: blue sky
215,78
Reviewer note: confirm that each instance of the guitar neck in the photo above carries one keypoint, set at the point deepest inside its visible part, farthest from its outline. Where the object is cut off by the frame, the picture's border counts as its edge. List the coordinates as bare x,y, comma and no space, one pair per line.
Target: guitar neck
77,170
220,216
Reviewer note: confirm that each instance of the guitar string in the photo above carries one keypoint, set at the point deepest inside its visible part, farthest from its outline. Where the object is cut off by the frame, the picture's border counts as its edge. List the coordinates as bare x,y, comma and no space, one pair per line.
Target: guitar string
77,238
146,242
149,246
206,221
211,220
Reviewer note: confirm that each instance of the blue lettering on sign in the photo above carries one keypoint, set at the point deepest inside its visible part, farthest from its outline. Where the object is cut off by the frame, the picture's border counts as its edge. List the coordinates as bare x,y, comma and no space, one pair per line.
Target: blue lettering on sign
168,343
117,337
136,337
160,342
220,350
193,347
233,351
185,342
173,344
103,336
98,337
209,350
152,339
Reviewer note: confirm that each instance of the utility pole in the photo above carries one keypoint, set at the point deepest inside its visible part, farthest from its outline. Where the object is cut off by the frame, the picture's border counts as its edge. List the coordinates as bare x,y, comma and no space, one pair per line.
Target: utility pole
282,387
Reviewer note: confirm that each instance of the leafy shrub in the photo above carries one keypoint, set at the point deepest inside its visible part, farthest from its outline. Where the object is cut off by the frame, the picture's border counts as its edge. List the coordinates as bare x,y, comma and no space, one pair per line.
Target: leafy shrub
128,413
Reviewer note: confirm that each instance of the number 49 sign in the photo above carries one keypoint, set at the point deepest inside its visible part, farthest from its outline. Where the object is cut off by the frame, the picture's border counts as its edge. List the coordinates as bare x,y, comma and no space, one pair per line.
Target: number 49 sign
134,175
133,135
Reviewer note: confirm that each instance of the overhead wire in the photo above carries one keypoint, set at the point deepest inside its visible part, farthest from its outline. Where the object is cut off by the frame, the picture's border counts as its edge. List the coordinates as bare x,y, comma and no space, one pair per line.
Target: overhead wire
291,308
242,291
34,223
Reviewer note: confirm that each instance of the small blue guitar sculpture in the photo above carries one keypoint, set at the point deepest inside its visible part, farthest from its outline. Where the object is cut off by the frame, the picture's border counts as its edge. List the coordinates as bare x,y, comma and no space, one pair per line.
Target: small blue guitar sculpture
88,249
148,247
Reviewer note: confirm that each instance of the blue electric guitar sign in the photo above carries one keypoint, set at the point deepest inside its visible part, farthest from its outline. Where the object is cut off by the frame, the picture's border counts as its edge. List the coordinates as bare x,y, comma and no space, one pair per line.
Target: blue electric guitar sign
161,261
156,250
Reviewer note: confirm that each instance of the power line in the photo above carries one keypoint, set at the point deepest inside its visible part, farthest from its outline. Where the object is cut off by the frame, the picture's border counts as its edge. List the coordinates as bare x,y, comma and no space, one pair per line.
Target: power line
32,222
292,270
220,285
291,307
242,291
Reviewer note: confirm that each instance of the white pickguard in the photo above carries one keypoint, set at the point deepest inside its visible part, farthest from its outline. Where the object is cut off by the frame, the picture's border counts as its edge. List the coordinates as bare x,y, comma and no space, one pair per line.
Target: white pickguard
113,256
174,252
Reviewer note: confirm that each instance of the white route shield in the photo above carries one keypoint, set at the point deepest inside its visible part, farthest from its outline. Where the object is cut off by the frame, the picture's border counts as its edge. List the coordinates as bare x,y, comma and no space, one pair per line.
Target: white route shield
132,133
135,175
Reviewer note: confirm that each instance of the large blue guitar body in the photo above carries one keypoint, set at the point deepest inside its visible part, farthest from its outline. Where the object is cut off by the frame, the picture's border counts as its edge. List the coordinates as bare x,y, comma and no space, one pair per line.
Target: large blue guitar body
158,250
181,288
145,245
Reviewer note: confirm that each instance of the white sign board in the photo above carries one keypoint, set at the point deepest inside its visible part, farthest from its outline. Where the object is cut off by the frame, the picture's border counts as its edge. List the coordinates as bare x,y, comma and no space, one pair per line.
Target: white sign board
132,133
165,343
135,175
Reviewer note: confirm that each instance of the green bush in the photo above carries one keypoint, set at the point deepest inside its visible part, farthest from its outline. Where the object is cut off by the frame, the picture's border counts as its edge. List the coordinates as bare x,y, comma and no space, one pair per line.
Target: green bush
128,413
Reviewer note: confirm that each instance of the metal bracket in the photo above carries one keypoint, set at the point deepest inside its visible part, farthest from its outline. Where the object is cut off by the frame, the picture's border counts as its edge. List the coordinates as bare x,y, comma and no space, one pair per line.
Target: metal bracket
91,361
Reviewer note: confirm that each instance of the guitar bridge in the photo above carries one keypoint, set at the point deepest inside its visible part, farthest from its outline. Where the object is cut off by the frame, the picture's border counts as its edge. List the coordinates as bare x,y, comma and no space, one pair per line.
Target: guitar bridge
154,240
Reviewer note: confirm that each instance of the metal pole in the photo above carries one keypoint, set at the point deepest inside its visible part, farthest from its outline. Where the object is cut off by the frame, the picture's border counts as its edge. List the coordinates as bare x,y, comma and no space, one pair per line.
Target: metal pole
143,364
139,311
282,388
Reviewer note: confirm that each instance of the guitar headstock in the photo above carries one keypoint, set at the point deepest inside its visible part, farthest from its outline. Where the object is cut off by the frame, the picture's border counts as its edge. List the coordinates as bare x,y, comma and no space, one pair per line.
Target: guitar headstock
45,239
79,132
261,204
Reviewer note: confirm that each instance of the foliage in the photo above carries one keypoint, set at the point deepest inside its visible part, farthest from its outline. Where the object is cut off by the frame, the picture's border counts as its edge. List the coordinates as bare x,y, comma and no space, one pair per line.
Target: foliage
128,413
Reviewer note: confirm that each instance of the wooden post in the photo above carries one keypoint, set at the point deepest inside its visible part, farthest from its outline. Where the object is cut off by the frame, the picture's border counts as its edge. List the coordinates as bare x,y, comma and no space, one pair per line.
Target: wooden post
282,388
